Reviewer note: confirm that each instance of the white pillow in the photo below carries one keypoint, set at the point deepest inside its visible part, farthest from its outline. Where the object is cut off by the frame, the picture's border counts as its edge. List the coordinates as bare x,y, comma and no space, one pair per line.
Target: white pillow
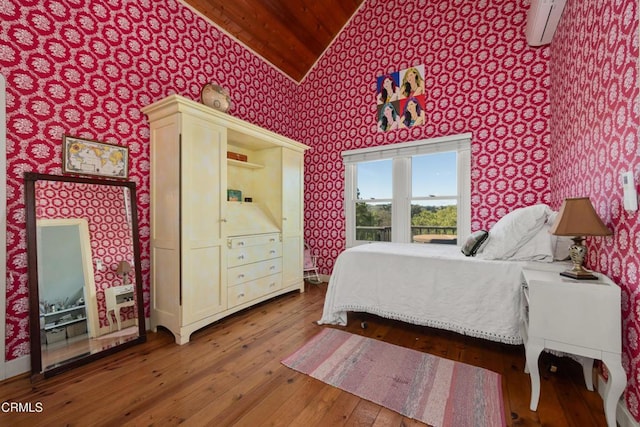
538,248
559,244
513,230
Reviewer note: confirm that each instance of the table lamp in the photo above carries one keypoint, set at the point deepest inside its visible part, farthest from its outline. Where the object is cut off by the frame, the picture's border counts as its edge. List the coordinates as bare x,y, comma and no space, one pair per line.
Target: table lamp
578,218
123,269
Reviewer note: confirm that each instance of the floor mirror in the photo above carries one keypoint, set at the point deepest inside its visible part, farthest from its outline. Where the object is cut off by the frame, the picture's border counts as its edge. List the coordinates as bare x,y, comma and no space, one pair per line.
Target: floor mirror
85,282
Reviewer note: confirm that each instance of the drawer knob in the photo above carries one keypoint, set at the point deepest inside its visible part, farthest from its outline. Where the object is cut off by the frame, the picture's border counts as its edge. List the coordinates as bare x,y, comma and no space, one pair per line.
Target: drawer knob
241,257
273,267
240,243
241,295
240,276
272,251
272,284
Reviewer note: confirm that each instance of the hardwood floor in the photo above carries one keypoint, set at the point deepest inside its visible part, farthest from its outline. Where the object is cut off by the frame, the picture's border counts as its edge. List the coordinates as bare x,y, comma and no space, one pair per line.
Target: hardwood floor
230,374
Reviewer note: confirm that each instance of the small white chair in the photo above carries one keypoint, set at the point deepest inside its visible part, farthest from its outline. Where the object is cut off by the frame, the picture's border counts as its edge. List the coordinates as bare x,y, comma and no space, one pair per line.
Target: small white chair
310,268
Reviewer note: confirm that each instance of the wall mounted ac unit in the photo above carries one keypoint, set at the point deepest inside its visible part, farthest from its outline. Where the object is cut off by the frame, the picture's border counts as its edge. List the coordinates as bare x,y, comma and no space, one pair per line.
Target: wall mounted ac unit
542,19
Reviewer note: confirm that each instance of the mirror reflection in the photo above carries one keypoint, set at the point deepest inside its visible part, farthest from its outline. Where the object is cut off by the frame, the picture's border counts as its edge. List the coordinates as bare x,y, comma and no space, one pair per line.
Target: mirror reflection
84,270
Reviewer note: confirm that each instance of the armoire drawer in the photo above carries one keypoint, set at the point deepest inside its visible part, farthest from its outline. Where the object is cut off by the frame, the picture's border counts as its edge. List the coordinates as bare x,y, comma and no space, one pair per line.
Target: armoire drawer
248,255
253,240
246,292
256,270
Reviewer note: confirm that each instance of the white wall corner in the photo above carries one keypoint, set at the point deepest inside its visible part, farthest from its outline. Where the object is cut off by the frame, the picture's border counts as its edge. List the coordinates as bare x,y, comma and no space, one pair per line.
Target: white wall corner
18,366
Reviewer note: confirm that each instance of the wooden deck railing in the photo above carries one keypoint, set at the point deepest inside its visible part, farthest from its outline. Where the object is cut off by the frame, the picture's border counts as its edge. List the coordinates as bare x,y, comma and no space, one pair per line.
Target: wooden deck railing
383,234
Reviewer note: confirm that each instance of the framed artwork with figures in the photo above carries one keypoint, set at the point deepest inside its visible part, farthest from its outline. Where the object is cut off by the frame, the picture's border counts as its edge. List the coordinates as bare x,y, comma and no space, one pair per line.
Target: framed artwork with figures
401,99
82,156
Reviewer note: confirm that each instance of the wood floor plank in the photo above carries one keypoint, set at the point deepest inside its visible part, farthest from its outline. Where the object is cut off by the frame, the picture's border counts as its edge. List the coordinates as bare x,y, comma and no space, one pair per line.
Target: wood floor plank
338,414
315,412
387,417
246,364
230,374
365,414
290,408
286,388
253,379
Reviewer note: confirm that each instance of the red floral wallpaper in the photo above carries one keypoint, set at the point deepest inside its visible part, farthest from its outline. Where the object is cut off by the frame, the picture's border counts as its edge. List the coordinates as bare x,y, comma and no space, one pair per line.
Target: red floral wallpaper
480,77
85,68
594,126
110,236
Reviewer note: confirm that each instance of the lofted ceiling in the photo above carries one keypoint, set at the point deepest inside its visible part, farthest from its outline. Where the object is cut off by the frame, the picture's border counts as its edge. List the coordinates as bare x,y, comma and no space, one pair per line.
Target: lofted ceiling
290,34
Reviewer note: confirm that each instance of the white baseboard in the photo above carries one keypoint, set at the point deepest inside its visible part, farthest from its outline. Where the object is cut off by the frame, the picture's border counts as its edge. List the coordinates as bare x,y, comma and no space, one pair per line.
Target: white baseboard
17,366
623,416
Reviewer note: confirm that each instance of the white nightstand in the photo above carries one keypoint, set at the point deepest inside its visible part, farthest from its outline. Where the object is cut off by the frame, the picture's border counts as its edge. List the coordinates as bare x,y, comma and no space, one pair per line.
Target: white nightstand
116,298
580,317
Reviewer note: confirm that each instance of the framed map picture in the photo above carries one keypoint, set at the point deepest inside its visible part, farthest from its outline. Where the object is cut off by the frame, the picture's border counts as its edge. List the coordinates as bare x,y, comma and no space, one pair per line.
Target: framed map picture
87,157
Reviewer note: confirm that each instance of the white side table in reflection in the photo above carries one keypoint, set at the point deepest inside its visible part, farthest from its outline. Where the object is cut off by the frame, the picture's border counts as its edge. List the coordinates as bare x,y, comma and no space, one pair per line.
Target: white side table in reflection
117,297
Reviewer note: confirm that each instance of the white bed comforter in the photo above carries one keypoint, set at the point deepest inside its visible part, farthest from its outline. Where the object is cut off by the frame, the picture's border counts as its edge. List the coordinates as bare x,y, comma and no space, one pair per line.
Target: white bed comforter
431,285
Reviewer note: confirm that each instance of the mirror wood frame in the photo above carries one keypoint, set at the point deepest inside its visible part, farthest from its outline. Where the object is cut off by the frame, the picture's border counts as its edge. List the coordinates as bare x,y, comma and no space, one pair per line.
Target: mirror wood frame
30,180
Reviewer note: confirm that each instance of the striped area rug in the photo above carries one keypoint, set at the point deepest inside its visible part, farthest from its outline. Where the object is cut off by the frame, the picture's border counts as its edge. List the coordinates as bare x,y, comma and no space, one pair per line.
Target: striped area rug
427,388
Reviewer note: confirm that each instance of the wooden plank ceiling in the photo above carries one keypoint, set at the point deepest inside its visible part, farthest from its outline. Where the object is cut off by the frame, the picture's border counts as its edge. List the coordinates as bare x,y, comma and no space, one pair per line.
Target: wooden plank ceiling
290,34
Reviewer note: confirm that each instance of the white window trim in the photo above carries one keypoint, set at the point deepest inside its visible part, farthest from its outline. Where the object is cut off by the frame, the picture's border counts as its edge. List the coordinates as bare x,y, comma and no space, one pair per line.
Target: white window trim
401,155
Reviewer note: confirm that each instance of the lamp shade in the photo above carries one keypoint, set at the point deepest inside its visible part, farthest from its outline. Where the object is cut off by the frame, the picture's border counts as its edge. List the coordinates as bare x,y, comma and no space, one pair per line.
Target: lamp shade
577,217
123,267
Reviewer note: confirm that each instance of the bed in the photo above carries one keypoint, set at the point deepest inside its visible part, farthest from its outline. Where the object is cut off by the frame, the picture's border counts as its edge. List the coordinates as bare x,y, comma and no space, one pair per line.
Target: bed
442,287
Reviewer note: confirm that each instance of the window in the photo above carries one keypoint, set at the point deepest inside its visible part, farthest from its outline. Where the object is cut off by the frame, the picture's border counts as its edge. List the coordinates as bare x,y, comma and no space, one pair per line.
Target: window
374,201
409,192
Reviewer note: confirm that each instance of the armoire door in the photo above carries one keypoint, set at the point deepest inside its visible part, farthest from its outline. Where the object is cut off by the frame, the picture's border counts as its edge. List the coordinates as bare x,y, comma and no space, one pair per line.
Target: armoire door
292,221
204,177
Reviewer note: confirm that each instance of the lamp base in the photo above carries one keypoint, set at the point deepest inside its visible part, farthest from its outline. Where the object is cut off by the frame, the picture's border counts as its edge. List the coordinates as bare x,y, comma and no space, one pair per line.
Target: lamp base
578,253
579,275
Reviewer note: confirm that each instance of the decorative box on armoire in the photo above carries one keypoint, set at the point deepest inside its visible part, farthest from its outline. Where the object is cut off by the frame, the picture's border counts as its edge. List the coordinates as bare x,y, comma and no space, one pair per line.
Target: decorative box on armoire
211,257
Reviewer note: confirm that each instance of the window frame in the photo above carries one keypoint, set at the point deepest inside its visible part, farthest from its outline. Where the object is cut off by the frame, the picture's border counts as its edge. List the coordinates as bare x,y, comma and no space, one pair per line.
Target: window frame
401,174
